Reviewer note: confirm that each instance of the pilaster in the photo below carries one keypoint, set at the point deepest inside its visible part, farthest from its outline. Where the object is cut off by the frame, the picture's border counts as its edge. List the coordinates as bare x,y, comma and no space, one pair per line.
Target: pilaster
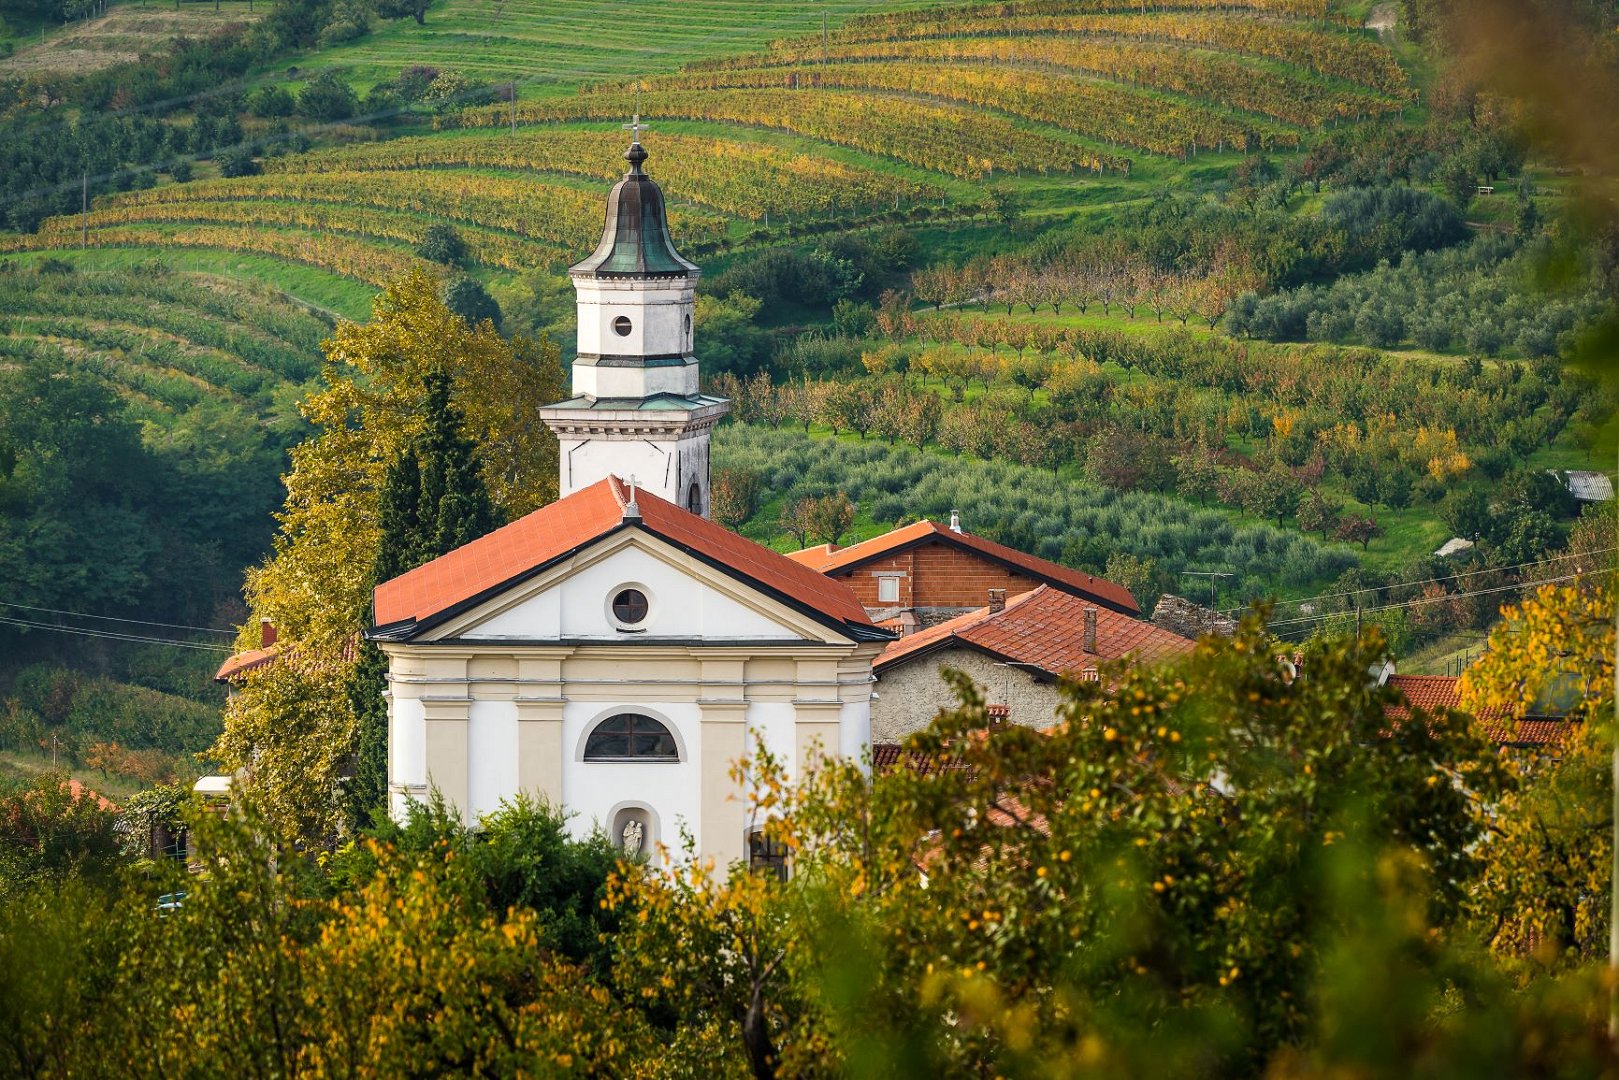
721,834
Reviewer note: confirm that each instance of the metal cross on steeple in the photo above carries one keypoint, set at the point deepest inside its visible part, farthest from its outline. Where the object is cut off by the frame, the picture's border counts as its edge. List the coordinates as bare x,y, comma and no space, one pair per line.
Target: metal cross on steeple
634,127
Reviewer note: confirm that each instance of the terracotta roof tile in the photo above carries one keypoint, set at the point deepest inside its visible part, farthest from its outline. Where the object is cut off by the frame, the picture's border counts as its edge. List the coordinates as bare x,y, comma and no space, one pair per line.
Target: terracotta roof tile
254,659
1098,589
1431,693
887,757
467,574
1044,628
243,662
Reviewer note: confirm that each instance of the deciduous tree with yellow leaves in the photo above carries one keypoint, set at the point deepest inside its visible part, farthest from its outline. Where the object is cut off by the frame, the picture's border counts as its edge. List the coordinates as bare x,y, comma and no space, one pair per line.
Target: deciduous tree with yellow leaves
1545,890
316,586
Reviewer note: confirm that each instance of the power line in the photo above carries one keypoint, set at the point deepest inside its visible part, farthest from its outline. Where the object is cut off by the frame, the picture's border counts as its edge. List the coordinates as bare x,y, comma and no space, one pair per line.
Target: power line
1420,601
83,632
112,618
1438,580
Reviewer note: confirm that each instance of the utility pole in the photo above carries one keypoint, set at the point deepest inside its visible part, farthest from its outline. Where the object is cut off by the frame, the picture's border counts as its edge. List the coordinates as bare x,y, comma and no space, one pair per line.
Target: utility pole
1214,582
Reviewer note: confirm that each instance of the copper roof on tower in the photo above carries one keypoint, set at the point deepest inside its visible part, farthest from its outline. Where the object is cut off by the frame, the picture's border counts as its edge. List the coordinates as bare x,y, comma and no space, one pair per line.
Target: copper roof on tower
635,241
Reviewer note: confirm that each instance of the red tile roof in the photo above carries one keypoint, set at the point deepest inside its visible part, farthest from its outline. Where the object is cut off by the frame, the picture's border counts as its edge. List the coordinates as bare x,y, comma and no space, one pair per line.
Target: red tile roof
1046,629
243,662
254,659
813,557
886,757
1431,693
432,592
1098,589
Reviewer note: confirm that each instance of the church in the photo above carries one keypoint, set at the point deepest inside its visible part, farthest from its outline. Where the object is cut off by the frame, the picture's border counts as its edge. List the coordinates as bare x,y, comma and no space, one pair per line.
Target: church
616,652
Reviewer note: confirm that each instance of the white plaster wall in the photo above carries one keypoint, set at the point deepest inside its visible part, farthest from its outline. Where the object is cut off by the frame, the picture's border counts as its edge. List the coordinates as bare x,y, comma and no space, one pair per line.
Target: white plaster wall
491,755
408,741
657,312
854,729
599,381
407,750
774,723
590,790
653,464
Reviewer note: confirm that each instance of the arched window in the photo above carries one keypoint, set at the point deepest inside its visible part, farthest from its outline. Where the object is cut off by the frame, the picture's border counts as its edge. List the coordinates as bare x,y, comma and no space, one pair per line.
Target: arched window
694,498
631,737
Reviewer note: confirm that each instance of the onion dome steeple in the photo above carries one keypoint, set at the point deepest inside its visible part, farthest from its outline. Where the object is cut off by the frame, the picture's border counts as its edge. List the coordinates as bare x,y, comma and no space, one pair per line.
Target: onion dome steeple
635,242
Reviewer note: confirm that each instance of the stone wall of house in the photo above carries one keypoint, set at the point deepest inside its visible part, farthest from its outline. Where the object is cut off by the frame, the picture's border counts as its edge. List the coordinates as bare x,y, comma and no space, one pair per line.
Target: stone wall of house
910,695
1179,615
936,576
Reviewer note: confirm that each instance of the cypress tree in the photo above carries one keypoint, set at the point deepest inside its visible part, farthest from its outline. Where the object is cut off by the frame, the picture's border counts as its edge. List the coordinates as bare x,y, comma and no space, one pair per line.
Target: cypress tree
433,501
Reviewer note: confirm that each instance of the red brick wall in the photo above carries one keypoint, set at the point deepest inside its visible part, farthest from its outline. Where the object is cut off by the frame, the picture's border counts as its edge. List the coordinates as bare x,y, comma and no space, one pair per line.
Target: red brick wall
938,576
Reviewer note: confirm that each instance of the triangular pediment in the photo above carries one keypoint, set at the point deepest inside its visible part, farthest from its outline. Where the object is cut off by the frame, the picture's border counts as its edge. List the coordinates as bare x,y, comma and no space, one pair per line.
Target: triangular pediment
689,601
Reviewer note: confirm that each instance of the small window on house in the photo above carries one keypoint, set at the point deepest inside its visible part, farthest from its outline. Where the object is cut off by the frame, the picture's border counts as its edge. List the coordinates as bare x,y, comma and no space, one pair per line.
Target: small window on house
621,326
888,590
630,606
688,322
694,499
631,737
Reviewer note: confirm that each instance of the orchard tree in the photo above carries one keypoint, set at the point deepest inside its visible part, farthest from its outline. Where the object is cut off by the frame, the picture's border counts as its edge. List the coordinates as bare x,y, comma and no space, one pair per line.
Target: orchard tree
734,496
1318,513
1359,530
829,517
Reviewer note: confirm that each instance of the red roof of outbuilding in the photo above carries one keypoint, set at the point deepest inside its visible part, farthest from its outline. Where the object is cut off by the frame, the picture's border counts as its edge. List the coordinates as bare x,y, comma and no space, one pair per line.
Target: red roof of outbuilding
471,573
1046,629
243,662
1431,693
831,561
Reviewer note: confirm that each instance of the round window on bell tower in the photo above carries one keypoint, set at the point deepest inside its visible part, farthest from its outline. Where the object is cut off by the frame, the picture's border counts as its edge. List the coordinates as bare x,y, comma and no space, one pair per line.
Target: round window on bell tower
621,326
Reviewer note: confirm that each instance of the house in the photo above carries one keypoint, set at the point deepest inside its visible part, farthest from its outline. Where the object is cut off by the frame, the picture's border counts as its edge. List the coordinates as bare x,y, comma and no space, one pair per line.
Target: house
1432,693
922,574
238,665
1015,653
615,652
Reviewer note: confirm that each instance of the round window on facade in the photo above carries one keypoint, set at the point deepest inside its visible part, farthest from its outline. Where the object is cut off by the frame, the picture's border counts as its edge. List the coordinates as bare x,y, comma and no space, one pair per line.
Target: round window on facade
630,607
621,326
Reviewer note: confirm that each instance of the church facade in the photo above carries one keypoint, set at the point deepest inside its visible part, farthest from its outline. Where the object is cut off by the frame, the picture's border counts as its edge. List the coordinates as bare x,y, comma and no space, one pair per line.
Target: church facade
615,652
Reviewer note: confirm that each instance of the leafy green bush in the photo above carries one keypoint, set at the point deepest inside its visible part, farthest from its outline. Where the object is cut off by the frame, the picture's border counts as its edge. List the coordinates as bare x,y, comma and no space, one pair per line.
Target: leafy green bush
327,98
441,243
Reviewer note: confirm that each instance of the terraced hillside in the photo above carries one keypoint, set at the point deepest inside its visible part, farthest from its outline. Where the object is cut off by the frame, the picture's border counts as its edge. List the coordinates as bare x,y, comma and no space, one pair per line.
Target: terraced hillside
898,113
121,36
185,350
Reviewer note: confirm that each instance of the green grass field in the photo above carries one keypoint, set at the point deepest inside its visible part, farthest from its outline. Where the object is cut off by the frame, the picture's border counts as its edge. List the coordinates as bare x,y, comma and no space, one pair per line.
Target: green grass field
554,45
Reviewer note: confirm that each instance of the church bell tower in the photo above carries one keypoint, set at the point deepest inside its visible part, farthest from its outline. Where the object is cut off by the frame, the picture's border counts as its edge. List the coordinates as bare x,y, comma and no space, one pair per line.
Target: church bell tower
636,410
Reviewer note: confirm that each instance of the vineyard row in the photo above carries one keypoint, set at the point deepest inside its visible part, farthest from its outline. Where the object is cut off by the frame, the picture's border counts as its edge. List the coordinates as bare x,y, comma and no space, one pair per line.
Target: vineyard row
956,141
740,179
1231,82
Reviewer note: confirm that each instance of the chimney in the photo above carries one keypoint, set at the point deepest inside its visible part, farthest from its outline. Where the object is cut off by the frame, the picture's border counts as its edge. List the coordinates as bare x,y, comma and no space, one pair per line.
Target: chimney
997,600
1090,630
266,633
955,521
